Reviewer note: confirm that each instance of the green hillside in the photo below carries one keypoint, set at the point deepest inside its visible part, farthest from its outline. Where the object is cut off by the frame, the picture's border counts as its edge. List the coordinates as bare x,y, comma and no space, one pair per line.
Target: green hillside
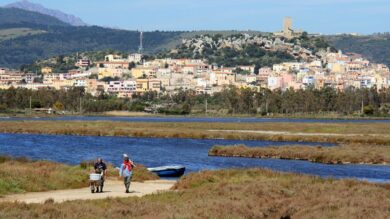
12,33
57,38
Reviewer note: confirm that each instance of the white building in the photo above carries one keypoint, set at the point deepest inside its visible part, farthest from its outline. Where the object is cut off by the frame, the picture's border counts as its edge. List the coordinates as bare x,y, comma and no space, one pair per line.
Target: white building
135,57
122,88
80,83
308,80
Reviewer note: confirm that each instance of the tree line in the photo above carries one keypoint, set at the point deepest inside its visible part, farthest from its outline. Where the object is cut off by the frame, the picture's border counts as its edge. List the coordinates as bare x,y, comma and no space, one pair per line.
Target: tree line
231,100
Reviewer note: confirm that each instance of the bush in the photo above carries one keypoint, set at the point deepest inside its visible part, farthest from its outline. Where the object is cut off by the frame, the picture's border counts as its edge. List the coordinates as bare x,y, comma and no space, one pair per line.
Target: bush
3,107
368,110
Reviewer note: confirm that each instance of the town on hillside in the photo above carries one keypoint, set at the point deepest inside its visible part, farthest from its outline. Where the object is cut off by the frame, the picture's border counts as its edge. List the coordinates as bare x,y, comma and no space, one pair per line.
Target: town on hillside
125,75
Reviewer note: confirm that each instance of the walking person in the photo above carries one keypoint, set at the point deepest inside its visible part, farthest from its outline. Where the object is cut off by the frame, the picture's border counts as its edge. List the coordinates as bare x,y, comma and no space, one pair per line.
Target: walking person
100,168
126,171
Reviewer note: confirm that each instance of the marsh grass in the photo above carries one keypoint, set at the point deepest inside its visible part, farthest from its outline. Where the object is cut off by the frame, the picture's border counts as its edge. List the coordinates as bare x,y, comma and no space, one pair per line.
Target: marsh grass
356,153
22,175
239,193
367,133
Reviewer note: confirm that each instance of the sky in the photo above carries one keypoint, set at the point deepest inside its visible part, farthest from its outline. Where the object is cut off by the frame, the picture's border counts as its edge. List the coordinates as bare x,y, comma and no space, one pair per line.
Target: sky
314,16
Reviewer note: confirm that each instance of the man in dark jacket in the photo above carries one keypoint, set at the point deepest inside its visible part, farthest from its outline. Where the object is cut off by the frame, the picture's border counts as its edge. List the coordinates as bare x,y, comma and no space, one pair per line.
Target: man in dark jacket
101,168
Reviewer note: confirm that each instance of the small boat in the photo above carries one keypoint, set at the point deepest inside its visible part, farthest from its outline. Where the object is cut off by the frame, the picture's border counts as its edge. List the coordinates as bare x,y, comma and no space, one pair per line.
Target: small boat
168,171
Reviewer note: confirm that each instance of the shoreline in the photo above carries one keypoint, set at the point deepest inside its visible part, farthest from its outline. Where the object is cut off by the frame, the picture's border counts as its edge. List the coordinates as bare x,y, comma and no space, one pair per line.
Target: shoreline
301,159
329,133
340,155
200,116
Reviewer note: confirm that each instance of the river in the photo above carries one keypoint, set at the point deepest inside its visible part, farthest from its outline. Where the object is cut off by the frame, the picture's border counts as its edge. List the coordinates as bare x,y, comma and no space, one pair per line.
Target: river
192,153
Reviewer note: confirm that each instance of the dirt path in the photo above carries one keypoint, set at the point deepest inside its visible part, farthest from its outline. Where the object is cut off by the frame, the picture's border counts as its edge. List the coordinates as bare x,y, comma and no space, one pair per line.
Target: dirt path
112,189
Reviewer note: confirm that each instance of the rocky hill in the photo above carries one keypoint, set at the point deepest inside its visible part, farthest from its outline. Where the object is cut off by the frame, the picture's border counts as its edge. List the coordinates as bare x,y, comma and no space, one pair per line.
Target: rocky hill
249,49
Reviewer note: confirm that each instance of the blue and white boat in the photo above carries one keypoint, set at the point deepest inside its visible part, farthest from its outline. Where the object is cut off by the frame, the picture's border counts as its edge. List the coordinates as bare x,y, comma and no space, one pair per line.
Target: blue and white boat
168,171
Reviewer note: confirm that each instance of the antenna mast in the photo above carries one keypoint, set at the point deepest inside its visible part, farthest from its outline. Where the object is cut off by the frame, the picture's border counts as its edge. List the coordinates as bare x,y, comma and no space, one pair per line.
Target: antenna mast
141,43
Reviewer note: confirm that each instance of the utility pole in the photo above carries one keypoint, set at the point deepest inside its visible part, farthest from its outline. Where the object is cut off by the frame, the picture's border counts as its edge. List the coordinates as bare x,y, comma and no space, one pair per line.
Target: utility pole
80,107
30,106
206,105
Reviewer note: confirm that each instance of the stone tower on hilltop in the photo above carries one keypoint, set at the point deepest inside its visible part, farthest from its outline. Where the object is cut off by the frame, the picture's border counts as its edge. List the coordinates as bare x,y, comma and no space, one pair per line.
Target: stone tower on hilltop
288,31
288,27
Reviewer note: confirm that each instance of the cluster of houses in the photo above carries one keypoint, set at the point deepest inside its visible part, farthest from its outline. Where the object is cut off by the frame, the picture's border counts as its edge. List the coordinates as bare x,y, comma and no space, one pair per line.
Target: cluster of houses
341,71
131,75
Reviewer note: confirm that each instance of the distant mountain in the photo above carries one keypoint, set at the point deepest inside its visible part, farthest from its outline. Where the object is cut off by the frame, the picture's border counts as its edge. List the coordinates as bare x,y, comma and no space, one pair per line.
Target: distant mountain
29,6
13,17
42,36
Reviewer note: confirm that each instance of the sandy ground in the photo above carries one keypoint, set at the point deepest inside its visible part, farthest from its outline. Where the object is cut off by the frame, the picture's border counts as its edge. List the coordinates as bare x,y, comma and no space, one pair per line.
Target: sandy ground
295,133
126,113
112,189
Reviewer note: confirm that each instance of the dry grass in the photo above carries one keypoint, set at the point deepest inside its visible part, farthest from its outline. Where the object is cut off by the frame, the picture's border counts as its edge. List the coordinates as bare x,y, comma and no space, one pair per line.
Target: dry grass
22,175
201,130
253,193
362,154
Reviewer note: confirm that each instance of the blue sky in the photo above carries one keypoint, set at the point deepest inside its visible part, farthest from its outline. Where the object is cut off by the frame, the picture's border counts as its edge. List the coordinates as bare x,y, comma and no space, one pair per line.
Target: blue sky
318,16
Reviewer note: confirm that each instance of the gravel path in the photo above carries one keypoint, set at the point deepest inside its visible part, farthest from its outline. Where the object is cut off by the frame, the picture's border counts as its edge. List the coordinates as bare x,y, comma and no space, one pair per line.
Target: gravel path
113,189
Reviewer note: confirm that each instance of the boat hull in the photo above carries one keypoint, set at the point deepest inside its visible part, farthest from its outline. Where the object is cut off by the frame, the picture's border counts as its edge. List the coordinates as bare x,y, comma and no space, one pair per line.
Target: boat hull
169,172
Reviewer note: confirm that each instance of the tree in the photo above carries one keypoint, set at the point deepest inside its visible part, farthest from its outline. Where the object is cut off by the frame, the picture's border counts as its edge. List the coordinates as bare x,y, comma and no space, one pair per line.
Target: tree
3,107
368,110
58,106
38,80
131,65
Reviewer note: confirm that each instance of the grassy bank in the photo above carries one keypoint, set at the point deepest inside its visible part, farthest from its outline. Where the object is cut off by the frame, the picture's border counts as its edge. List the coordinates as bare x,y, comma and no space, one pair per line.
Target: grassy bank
22,175
357,154
368,133
252,193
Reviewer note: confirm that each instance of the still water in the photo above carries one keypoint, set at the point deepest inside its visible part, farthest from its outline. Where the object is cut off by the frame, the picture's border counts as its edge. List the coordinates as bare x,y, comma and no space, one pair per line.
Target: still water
192,153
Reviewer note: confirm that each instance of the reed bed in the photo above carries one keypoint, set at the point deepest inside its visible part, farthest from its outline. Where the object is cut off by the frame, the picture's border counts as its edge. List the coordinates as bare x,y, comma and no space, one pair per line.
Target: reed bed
250,193
357,154
366,133
22,175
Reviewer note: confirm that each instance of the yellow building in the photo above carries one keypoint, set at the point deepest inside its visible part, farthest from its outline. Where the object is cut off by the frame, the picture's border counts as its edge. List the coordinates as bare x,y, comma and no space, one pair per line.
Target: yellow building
110,72
142,85
60,84
141,71
338,68
46,70
225,78
105,72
